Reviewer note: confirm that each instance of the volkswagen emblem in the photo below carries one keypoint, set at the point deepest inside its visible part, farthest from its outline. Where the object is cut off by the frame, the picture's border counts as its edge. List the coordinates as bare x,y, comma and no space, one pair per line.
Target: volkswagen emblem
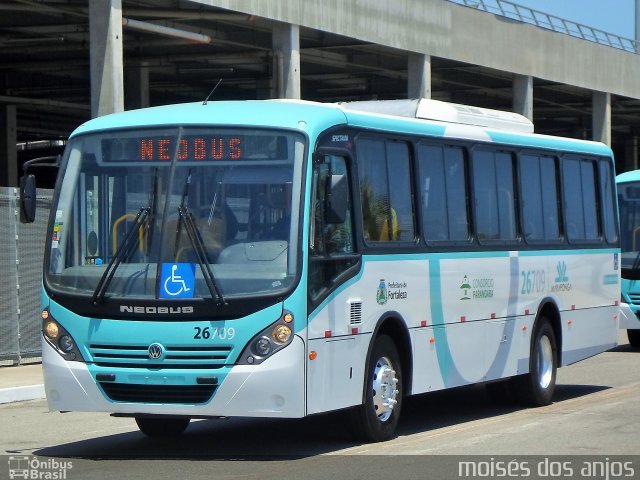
155,351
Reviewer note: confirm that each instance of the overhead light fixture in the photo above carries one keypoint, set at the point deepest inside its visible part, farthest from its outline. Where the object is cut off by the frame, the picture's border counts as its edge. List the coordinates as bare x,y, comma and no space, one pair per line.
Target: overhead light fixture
168,31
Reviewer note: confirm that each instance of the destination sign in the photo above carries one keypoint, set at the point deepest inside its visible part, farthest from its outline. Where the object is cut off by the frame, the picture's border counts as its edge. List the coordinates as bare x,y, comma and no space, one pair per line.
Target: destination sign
158,149
196,148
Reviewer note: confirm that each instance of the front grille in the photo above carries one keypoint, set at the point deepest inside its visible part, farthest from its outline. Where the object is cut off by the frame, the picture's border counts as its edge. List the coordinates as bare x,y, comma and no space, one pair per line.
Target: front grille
175,357
635,298
133,393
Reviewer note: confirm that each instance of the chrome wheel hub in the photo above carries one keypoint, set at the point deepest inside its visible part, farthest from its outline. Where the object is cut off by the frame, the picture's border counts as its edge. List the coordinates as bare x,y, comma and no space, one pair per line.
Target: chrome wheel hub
545,362
384,388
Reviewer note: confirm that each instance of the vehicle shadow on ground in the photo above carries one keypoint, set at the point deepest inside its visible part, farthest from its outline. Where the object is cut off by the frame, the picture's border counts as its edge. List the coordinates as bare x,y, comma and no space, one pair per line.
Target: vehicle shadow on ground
625,348
283,439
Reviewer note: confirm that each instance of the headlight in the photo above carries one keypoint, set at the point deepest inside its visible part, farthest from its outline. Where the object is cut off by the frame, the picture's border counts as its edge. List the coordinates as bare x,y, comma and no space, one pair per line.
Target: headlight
281,334
66,344
61,340
262,346
273,338
51,329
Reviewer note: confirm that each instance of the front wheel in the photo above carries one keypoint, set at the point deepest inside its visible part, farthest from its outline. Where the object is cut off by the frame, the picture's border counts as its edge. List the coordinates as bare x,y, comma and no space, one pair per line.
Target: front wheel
536,387
634,338
377,418
162,427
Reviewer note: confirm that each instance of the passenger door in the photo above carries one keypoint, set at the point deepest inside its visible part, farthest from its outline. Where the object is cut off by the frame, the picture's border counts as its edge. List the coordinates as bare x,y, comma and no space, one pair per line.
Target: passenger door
331,242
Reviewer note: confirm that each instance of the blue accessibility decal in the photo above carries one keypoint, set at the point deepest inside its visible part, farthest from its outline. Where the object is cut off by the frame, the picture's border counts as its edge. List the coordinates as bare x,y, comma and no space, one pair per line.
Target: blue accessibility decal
177,280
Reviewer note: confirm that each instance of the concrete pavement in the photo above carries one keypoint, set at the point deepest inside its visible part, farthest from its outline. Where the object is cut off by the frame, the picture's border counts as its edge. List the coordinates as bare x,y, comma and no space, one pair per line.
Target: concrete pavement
20,383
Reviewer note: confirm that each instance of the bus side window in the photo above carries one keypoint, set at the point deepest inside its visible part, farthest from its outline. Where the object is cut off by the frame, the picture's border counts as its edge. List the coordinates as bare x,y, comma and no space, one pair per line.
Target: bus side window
582,207
493,189
607,201
442,174
539,188
385,191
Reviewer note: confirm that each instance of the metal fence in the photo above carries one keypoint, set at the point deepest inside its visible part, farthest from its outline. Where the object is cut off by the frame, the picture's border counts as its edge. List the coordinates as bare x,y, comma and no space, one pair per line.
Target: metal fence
544,20
21,251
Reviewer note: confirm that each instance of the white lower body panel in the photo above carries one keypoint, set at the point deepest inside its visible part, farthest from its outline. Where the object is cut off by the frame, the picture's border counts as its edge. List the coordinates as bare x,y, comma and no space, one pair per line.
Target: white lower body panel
275,388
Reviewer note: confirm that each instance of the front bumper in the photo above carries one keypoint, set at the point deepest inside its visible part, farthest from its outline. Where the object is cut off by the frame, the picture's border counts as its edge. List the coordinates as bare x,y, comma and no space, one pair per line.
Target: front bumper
628,318
274,388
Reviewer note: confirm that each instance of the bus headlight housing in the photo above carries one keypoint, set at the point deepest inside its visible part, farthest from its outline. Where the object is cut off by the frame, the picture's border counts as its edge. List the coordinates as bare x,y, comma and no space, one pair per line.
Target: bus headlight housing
66,343
262,346
281,334
273,338
51,329
61,340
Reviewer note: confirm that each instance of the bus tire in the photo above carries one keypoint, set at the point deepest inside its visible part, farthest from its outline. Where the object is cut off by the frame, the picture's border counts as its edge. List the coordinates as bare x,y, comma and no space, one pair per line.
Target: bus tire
162,427
536,388
634,338
377,418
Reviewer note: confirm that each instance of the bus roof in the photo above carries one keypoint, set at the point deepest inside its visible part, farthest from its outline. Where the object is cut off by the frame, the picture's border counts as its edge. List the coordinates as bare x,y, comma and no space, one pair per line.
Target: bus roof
288,114
632,176
437,119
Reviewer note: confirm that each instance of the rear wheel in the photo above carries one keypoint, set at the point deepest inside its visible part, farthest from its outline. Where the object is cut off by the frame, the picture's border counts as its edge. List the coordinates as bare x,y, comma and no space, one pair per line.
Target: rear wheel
536,387
377,418
162,427
634,338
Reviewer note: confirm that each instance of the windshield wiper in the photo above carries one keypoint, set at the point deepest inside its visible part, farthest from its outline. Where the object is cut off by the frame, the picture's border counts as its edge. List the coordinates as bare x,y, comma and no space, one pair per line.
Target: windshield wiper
153,203
122,253
195,238
636,263
193,233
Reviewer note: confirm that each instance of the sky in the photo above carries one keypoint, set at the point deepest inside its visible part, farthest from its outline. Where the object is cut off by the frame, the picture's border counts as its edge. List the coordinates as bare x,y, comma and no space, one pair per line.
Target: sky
613,16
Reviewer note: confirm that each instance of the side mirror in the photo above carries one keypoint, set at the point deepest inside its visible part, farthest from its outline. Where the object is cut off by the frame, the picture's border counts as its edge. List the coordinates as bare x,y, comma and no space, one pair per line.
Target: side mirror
337,199
27,198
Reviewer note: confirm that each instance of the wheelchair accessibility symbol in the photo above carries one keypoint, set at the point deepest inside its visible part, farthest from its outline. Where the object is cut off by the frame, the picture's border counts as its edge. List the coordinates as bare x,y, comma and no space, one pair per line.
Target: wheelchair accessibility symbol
177,280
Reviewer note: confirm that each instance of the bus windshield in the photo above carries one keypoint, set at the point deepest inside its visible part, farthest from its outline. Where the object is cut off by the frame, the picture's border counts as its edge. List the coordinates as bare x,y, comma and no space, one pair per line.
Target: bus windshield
176,214
629,209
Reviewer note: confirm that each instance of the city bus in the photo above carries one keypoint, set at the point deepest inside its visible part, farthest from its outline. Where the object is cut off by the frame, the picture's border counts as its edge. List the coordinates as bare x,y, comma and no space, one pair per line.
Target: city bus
285,258
628,188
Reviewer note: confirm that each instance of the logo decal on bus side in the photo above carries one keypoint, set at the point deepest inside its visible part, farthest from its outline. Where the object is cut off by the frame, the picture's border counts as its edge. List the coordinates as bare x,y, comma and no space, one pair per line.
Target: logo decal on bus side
477,288
562,283
391,291
465,287
561,268
381,295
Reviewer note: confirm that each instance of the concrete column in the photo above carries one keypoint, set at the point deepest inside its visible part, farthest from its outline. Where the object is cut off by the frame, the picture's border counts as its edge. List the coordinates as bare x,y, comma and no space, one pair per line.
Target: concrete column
137,81
523,95
419,73
601,117
286,60
105,34
8,151
265,89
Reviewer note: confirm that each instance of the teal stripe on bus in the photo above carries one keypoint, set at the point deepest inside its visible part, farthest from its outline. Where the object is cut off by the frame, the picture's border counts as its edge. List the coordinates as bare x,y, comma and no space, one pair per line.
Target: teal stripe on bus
448,256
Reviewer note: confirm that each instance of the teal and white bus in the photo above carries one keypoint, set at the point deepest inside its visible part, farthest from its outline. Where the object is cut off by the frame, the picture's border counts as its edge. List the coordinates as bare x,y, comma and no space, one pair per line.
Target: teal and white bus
629,208
287,258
